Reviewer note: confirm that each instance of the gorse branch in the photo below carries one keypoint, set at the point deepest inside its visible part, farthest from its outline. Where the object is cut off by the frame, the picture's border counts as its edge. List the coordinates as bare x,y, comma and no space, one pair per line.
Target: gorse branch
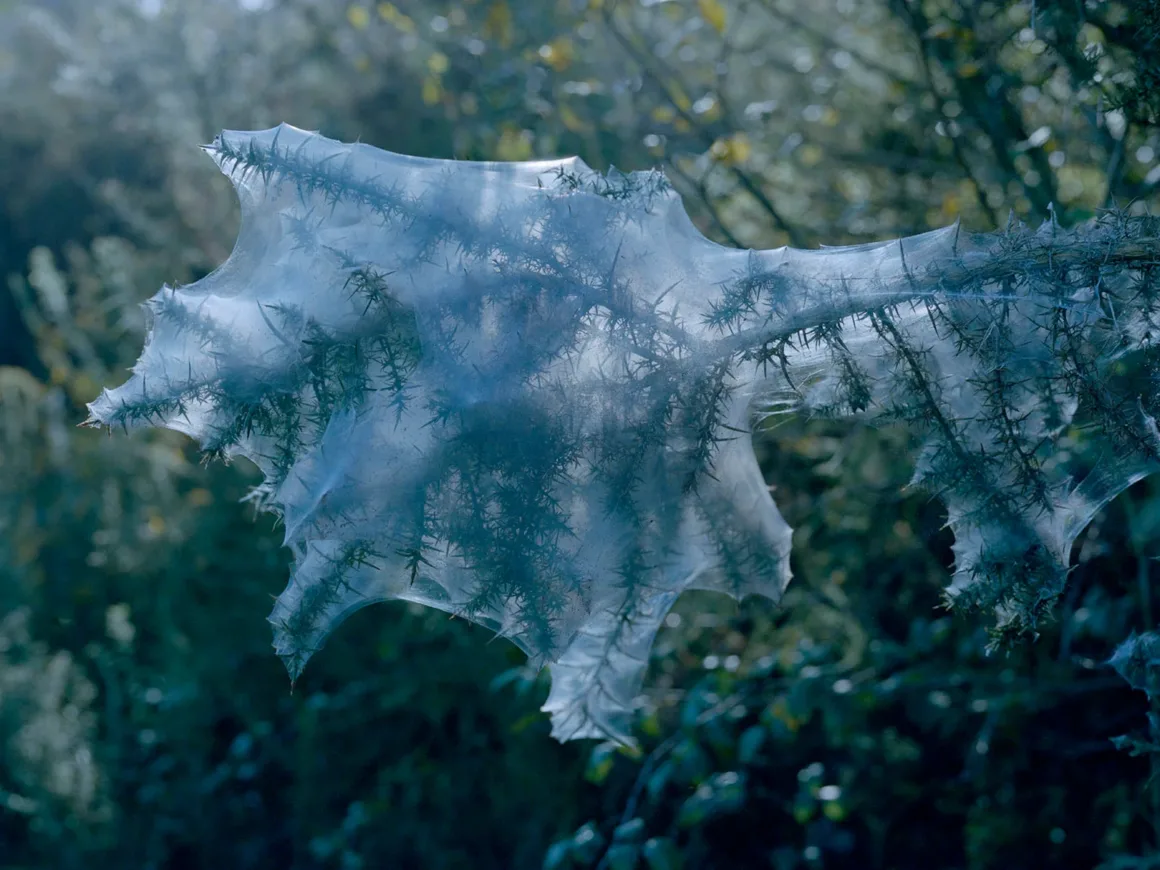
524,393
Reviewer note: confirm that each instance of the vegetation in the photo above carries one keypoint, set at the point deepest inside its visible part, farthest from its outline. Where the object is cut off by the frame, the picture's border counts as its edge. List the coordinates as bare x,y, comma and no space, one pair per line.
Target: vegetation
142,720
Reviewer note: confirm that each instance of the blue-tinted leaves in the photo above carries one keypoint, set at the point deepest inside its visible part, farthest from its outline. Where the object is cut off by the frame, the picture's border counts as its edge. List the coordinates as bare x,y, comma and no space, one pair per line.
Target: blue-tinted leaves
751,742
661,853
719,794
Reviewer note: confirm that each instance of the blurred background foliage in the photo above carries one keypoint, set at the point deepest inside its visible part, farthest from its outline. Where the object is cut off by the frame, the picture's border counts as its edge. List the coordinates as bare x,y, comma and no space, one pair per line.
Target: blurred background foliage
144,720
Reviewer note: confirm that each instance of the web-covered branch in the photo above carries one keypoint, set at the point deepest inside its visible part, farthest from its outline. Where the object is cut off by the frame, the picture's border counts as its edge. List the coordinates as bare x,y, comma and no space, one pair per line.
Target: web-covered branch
524,393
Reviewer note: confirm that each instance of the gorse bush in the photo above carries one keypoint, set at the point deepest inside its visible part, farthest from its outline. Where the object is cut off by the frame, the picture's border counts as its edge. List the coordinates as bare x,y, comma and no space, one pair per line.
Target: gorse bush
523,393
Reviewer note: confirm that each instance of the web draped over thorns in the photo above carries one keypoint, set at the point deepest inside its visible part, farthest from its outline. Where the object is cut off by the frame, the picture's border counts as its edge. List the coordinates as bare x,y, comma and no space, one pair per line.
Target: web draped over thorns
524,394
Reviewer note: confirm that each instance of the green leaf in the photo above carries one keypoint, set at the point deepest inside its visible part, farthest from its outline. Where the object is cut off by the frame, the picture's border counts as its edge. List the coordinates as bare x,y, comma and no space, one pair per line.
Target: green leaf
622,856
661,853
600,763
752,739
586,844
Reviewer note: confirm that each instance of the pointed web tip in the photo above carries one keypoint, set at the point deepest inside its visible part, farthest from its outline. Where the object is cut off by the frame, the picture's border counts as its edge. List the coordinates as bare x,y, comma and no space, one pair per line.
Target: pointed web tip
294,666
293,660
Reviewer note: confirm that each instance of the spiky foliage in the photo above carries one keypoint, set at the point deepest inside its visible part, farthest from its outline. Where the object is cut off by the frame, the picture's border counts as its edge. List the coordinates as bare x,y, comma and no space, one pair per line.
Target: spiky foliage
523,393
